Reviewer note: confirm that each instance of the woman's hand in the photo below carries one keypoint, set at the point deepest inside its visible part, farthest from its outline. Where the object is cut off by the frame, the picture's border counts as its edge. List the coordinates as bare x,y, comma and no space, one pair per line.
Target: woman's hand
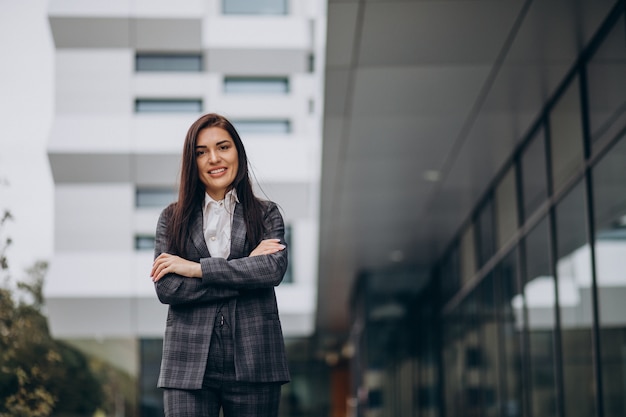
267,247
167,264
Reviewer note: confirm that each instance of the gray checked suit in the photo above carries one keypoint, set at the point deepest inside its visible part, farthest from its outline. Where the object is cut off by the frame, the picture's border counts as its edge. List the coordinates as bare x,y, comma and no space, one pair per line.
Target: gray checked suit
249,281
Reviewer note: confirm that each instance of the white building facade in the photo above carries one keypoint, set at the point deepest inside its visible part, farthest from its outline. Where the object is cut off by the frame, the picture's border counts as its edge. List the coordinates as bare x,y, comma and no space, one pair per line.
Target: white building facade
131,76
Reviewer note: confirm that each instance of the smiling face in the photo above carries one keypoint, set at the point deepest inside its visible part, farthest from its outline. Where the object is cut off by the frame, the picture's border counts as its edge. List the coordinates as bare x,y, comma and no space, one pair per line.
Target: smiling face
218,161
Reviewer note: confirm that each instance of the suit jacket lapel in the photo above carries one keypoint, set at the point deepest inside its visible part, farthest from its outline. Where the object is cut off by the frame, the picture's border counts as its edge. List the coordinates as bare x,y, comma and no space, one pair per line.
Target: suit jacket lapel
197,234
238,234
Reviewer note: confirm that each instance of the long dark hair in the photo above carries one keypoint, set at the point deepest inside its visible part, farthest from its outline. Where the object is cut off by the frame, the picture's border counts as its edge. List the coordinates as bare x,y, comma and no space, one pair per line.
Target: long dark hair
191,190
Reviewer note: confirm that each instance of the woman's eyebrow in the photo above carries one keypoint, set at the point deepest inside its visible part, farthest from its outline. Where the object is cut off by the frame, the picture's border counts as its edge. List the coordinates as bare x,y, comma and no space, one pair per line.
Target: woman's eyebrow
217,144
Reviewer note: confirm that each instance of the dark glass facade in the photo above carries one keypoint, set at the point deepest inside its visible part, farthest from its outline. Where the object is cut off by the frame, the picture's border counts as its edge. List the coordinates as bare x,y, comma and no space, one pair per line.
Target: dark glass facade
535,323
524,314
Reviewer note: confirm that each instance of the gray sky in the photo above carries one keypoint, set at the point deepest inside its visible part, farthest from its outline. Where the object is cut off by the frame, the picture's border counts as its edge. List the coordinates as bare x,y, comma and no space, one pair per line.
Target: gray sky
26,109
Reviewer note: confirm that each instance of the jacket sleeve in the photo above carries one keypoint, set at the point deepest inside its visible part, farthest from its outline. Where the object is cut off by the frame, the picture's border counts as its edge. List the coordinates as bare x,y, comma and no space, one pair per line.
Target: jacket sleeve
262,271
174,289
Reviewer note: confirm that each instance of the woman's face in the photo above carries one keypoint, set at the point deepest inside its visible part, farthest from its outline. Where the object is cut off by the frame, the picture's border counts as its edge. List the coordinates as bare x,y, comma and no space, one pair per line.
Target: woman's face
218,161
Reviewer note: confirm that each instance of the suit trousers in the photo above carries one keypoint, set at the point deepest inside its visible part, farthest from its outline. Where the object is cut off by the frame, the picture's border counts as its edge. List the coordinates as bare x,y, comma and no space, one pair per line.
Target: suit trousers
220,389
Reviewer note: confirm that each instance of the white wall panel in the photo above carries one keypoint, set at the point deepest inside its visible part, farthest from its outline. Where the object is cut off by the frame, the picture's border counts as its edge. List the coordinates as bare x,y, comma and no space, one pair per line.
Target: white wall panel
97,132
232,32
279,160
89,8
170,85
93,217
93,81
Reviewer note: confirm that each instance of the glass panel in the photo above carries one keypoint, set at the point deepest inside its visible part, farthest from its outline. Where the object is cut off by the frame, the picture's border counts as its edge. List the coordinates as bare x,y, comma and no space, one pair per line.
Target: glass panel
463,360
609,187
534,175
144,242
484,228
472,400
511,314
256,85
262,126
489,344
168,63
606,83
255,7
566,136
149,105
506,208
151,397
154,197
452,364
539,292
573,270
426,400
468,255
450,274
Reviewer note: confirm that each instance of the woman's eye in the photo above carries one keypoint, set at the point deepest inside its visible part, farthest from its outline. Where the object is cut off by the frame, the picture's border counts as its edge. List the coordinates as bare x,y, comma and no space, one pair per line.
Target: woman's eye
199,153
224,147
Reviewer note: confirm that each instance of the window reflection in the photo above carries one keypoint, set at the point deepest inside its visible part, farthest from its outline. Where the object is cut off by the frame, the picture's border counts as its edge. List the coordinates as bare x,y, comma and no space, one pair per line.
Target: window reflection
450,272
463,361
609,185
539,292
485,233
468,255
488,355
511,324
506,207
534,176
566,137
607,87
575,300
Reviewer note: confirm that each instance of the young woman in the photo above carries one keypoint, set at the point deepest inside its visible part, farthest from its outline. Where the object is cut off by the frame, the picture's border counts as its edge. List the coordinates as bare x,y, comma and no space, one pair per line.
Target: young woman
220,251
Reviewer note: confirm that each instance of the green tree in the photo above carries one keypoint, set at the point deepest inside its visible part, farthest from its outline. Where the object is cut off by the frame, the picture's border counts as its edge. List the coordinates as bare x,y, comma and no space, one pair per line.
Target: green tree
39,376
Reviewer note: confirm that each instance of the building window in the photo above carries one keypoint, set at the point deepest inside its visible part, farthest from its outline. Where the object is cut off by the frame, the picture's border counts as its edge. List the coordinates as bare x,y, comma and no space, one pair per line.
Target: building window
256,85
468,255
606,86
534,175
256,7
144,242
609,199
151,397
574,281
506,208
264,127
539,294
168,62
154,197
156,105
450,273
485,234
566,136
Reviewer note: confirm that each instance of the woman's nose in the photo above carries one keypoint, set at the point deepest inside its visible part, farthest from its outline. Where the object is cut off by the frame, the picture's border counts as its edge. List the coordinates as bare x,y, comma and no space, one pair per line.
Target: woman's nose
213,156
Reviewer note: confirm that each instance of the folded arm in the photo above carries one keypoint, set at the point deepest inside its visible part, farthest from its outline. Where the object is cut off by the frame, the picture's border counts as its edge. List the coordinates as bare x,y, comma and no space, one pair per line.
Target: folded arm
171,274
265,267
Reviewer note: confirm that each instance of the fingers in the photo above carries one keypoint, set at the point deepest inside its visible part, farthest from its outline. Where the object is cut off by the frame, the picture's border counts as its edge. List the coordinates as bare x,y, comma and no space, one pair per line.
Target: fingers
171,264
161,266
267,247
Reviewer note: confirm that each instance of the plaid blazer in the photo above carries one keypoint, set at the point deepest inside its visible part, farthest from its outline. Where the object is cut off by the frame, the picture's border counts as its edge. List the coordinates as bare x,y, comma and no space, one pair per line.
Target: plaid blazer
247,282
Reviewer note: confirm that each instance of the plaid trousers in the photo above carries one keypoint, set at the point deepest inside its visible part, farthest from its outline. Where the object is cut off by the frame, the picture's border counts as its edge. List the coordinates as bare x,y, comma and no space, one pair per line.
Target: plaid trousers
220,390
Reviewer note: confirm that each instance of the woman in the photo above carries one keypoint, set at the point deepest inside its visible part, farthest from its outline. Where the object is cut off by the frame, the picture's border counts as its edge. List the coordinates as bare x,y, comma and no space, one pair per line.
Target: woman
219,254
